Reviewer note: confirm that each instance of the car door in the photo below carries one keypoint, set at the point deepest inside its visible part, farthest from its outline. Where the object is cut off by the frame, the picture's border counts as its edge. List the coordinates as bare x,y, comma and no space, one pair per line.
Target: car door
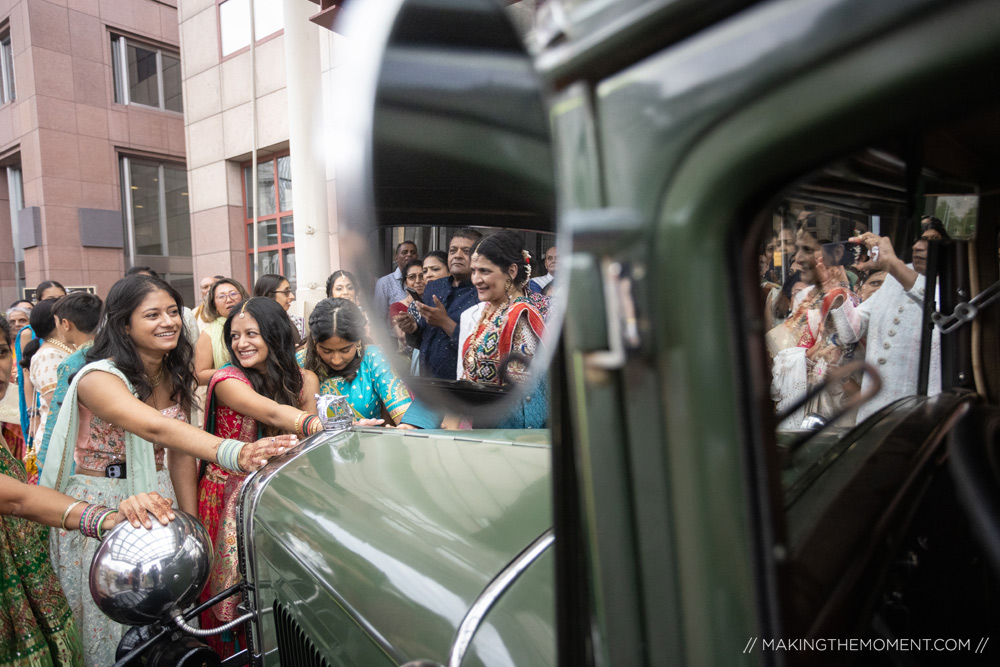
683,516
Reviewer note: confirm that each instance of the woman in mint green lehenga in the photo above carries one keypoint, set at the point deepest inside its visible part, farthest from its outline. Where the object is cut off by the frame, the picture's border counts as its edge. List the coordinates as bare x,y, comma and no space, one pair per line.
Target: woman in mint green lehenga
36,624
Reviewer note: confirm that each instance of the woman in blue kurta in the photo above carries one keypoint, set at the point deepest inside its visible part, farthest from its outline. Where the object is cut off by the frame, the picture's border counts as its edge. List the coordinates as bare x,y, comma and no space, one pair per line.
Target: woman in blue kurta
347,366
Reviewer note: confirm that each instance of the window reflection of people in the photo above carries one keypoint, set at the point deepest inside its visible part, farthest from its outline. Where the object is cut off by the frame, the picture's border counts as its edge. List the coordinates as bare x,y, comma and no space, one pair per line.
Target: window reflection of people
870,283
804,347
436,332
263,391
44,631
892,319
348,366
504,330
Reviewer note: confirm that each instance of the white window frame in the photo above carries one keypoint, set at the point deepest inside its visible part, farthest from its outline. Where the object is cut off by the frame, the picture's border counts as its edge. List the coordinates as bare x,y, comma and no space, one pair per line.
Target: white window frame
127,213
119,57
8,91
267,22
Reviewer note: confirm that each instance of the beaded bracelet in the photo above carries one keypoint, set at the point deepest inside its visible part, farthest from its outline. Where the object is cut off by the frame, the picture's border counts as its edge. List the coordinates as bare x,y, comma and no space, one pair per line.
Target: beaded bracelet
311,424
228,454
62,521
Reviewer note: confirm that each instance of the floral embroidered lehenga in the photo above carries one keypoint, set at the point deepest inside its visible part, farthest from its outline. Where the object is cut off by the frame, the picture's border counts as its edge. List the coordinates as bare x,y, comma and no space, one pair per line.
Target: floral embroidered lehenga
36,624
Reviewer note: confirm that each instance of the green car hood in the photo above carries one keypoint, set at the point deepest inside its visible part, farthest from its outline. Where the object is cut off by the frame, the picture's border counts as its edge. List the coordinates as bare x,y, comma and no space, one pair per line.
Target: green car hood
376,542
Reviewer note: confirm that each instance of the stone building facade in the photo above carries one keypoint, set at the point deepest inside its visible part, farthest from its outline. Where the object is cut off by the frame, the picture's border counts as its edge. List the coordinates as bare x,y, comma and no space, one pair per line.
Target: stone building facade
92,143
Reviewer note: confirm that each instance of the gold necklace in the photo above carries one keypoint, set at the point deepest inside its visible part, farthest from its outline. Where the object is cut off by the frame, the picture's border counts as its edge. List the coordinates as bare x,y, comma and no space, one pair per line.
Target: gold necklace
155,381
55,342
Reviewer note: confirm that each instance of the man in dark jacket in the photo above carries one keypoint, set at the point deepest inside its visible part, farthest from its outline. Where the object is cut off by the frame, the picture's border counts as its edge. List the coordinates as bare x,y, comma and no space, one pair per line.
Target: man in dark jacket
435,332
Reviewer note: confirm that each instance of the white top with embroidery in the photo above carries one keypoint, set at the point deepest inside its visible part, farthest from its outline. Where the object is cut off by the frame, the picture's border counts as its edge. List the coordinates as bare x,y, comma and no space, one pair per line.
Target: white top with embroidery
891,320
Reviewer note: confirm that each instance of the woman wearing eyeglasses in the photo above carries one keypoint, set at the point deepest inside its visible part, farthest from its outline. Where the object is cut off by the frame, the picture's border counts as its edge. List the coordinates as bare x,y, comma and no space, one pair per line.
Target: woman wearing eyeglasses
211,352
275,286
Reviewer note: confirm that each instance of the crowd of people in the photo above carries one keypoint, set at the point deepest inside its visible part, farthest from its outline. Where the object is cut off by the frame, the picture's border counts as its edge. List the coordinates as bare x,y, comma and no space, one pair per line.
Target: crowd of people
830,303
137,401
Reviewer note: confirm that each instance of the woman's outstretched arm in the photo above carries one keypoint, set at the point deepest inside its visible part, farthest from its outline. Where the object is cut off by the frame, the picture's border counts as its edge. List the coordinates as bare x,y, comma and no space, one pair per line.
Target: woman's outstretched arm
110,400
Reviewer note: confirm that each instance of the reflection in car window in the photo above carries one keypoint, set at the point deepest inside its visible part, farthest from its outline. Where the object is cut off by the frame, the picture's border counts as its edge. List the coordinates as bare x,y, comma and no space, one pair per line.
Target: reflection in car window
843,270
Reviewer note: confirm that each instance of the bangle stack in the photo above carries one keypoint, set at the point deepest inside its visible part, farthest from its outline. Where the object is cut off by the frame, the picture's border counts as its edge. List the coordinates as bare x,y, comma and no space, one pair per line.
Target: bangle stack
311,424
92,520
228,454
62,521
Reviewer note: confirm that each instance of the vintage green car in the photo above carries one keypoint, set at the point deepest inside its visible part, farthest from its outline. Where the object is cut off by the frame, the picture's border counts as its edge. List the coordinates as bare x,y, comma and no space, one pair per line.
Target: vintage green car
691,157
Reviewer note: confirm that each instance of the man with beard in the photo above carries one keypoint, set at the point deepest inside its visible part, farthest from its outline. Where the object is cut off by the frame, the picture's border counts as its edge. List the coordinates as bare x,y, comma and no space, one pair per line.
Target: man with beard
805,347
892,319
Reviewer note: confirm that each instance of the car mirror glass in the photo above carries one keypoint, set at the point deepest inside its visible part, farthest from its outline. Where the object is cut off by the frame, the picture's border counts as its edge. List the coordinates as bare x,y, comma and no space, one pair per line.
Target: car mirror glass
445,129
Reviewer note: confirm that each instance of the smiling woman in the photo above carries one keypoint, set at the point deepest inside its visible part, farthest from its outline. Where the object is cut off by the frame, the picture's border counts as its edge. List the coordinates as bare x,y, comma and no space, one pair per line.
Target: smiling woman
261,392
123,428
211,351
499,337
346,365
45,632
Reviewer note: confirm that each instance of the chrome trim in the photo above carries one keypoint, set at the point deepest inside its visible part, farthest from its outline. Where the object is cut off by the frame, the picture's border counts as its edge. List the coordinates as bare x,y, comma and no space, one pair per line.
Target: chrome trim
477,612
250,493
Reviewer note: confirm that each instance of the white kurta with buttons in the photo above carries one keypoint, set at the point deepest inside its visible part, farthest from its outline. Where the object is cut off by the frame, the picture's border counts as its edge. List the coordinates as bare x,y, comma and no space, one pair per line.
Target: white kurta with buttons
891,320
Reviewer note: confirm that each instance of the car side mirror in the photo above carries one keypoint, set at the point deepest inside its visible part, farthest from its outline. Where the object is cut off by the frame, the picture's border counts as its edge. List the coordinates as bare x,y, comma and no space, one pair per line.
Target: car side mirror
443,126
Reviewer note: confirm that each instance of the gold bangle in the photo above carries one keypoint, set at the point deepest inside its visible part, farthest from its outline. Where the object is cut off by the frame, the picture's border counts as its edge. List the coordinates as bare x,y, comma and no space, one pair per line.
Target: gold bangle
62,521
298,423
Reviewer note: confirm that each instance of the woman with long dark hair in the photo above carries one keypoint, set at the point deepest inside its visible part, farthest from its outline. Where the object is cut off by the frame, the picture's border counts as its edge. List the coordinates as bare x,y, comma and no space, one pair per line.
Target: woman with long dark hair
39,627
123,429
261,392
412,279
276,286
345,364
41,357
211,352
499,336
342,285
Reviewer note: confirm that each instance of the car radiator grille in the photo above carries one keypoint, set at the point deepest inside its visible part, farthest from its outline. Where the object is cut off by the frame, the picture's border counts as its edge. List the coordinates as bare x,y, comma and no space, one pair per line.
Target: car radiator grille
295,649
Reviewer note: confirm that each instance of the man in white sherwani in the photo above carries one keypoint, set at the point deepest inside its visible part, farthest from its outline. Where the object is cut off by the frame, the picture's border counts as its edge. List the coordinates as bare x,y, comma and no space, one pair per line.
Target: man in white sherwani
892,320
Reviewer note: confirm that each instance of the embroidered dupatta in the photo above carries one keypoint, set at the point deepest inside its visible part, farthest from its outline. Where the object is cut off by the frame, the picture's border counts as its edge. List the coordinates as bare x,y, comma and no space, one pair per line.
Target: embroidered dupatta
496,337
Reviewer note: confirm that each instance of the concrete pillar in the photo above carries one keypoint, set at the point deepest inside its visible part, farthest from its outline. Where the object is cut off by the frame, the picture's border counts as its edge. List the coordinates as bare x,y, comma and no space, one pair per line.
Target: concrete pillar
307,142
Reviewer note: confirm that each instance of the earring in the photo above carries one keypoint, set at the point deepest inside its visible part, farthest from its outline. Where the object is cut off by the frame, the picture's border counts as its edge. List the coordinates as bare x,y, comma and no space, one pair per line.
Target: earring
508,286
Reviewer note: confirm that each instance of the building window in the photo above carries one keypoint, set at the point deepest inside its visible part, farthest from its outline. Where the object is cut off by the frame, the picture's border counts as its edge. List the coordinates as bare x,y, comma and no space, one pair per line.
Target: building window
275,233
7,92
234,23
155,204
15,194
146,75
